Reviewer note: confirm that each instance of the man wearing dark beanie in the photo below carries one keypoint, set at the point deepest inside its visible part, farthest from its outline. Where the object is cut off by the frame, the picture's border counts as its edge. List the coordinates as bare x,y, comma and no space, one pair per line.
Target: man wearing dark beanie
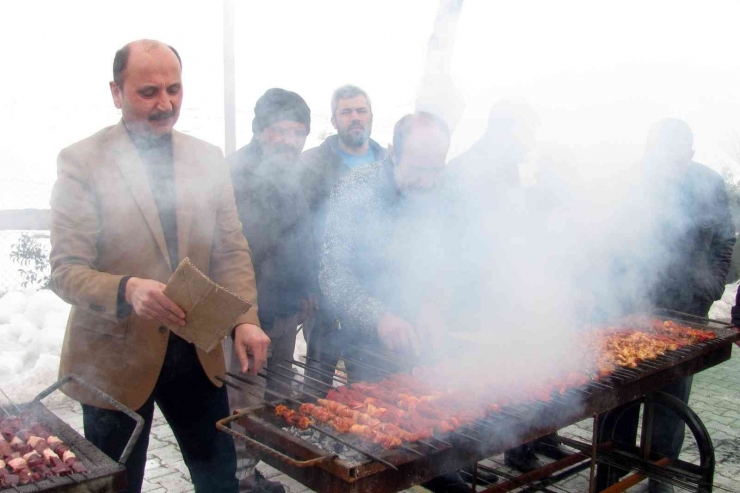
275,219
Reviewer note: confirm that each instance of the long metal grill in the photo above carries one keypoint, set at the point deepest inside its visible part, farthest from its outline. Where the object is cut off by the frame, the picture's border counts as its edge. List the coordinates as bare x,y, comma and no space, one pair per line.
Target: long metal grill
417,462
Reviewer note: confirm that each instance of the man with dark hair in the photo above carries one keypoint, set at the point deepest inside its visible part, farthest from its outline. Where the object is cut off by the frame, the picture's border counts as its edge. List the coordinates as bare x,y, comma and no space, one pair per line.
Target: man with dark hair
276,221
691,230
129,203
323,166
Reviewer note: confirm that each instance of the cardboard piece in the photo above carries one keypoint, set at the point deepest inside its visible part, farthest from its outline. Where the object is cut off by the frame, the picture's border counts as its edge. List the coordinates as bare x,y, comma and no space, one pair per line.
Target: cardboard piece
210,310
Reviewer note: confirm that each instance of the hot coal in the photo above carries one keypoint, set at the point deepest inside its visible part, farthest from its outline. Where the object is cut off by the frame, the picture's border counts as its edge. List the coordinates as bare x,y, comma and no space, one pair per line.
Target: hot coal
323,442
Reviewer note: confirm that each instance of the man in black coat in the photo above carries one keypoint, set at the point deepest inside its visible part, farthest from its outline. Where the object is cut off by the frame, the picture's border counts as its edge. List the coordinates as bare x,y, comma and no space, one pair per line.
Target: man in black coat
691,238
274,214
322,168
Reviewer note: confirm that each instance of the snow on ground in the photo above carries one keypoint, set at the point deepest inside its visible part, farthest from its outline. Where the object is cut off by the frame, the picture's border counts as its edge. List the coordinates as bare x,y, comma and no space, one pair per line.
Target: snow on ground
32,325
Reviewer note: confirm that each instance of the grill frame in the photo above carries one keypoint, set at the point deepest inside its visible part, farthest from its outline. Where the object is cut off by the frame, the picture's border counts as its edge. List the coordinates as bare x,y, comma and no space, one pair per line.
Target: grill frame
104,475
338,475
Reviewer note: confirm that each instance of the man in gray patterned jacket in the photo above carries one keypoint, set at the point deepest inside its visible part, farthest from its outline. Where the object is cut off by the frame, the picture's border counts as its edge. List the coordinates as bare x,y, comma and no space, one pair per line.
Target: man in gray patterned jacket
377,215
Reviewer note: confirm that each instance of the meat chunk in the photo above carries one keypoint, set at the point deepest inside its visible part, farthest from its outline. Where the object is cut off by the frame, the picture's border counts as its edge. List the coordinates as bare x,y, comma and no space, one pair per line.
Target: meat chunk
17,464
10,480
69,457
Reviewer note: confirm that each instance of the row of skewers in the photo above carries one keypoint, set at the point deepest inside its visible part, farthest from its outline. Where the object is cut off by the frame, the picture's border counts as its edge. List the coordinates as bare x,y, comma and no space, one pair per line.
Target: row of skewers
29,452
408,408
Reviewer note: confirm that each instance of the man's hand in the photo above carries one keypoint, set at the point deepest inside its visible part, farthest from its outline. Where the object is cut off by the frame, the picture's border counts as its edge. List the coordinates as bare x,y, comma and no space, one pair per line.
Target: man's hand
249,339
431,326
397,334
150,303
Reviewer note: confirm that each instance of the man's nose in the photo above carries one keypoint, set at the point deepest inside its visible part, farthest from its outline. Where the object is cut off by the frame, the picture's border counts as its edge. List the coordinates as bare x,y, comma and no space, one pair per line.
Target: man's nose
291,139
164,104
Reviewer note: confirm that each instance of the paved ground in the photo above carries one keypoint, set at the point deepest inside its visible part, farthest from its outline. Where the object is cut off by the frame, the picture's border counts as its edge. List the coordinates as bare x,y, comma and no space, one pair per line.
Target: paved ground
715,398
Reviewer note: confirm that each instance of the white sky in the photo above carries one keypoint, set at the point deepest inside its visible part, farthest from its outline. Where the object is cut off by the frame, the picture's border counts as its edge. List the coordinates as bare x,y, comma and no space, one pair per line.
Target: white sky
599,72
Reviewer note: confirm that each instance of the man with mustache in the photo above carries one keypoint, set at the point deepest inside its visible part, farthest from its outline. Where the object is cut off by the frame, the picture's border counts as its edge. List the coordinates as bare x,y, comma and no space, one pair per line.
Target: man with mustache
129,203
276,220
323,166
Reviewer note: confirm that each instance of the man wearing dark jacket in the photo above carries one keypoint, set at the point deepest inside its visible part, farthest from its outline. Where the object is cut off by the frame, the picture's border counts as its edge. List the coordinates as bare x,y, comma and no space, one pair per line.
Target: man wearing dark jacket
692,230
275,216
377,271
323,167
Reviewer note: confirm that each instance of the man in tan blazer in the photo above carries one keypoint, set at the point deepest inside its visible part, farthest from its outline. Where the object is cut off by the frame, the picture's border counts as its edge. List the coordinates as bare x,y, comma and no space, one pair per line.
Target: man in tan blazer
129,203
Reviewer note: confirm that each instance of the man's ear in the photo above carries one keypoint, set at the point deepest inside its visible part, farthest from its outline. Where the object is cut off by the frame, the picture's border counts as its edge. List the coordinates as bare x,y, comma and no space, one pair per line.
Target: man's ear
117,94
333,122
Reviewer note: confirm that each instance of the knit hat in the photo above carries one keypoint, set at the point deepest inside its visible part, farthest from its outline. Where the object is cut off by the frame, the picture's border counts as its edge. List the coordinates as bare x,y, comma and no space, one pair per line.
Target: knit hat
278,104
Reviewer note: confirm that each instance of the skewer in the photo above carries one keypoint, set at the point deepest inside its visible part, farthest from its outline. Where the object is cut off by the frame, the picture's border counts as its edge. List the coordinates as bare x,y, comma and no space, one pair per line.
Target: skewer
323,363
696,317
313,427
341,380
625,373
423,442
396,360
18,409
303,384
361,363
455,432
311,396
315,380
5,411
442,441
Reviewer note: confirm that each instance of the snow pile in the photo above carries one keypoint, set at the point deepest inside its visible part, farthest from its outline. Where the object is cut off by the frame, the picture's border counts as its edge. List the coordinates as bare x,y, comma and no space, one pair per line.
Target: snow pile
721,308
32,326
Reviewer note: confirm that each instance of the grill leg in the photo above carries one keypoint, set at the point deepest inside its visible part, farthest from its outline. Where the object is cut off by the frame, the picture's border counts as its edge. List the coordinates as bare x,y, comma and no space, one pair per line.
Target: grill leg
609,429
618,426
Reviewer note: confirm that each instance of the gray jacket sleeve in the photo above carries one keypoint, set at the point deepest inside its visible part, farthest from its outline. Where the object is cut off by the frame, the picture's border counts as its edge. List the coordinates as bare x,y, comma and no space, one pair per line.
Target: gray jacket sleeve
721,245
344,292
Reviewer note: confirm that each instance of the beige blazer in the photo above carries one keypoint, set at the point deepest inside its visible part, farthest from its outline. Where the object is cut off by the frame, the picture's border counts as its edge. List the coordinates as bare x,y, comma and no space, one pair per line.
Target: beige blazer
105,225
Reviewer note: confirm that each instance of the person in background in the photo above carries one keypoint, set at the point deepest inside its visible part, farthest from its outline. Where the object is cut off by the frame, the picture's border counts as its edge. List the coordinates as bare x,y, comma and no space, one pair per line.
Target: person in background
692,229
491,165
487,177
129,203
380,219
322,168
276,221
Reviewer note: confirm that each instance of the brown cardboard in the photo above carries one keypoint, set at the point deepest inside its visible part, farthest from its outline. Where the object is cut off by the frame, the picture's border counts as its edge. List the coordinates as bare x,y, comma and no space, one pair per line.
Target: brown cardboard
210,309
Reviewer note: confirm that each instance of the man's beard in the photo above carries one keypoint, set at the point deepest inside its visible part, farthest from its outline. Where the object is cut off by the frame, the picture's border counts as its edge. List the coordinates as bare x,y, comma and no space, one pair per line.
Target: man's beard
281,156
355,140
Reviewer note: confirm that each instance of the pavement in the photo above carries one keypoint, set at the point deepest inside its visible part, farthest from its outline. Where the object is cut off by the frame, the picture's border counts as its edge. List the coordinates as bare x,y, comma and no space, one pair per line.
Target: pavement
715,398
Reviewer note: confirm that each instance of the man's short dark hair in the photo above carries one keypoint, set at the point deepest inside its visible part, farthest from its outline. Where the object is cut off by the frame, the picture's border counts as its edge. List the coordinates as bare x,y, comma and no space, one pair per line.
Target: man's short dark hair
121,60
405,125
348,91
